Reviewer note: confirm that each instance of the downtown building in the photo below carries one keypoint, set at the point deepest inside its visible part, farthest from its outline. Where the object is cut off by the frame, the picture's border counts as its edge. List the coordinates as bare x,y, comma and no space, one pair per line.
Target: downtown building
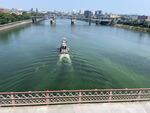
88,13
4,10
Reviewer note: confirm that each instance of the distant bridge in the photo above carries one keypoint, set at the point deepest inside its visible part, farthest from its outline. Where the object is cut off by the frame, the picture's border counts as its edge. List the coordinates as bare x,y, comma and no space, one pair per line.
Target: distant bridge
73,96
34,18
97,21
102,21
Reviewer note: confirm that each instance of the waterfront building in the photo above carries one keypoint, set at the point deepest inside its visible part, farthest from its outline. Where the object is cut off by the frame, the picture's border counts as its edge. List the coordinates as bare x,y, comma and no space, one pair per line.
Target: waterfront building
16,11
130,17
81,12
143,17
88,14
4,10
31,10
37,10
114,16
148,18
98,13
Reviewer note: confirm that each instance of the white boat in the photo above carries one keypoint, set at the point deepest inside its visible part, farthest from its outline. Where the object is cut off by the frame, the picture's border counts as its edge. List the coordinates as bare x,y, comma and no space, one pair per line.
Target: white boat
64,49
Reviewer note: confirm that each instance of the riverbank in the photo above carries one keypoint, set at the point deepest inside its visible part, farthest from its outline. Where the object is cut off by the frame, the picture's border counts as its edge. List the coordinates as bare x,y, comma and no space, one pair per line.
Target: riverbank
16,24
132,27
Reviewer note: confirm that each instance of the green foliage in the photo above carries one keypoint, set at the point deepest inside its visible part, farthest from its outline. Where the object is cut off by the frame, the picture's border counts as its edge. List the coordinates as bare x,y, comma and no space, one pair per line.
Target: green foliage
136,22
8,18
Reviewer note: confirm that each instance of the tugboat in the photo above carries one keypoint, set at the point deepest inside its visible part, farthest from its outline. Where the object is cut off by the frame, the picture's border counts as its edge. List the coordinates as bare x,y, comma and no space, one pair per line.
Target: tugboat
64,48
64,56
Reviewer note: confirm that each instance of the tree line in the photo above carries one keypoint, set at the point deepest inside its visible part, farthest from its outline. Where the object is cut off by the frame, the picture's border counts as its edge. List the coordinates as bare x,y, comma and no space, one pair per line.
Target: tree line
136,22
8,18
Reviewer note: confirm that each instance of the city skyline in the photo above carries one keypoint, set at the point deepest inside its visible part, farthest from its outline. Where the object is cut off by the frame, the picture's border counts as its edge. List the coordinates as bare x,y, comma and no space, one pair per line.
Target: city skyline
140,7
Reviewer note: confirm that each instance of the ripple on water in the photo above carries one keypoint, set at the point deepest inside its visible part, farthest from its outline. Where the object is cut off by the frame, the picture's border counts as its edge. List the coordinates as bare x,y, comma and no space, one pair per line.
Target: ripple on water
89,71
15,79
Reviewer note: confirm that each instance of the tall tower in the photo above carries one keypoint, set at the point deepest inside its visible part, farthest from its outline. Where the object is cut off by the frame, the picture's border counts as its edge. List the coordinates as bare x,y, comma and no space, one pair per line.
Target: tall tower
37,10
31,10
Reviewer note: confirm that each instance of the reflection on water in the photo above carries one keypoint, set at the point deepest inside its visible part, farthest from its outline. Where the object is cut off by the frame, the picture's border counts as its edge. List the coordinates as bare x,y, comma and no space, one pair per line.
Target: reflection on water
99,57
6,34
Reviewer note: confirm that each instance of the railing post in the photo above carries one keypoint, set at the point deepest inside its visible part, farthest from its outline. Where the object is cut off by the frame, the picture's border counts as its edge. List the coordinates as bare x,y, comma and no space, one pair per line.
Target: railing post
139,94
80,94
110,95
12,99
47,97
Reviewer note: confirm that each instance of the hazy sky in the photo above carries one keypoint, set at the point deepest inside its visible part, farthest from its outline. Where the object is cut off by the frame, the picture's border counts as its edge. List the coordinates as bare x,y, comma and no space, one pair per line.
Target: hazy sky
114,6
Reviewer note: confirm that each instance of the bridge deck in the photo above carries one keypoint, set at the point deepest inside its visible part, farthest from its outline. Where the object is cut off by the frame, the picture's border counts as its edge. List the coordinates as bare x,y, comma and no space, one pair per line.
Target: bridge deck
130,107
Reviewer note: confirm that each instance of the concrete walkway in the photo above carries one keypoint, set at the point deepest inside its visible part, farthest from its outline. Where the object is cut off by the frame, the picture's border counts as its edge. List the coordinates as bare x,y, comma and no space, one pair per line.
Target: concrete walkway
133,107
14,24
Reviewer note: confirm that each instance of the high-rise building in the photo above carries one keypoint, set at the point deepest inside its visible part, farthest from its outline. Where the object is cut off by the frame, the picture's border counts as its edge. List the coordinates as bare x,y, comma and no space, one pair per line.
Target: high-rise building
88,14
81,12
37,10
98,12
31,10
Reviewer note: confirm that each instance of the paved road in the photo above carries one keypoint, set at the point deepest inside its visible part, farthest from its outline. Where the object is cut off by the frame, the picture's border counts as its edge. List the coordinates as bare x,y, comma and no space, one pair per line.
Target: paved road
134,107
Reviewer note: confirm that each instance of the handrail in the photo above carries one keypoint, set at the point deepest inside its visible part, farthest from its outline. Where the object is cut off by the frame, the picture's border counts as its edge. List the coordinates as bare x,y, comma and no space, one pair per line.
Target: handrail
73,96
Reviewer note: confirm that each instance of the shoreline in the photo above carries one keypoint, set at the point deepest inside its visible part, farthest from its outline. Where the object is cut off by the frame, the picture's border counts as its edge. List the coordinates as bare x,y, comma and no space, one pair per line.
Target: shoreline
24,22
136,28
16,24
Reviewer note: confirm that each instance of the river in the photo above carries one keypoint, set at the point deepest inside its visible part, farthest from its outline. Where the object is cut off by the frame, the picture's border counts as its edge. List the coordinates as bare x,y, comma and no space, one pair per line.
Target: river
101,57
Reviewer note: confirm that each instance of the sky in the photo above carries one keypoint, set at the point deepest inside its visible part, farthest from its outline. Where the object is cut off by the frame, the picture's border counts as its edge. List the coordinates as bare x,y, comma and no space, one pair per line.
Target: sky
141,7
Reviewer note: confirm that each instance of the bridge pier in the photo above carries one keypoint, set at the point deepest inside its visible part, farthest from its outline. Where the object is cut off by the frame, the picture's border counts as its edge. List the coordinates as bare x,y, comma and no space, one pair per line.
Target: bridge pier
52,20
90,21
97,22
33,19
72,21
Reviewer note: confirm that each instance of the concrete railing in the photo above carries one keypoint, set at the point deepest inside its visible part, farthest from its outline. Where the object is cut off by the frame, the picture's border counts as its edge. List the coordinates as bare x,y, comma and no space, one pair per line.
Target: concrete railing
73,96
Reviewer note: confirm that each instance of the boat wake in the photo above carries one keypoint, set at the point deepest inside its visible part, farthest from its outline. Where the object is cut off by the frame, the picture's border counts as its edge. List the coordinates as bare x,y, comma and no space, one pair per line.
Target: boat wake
65,59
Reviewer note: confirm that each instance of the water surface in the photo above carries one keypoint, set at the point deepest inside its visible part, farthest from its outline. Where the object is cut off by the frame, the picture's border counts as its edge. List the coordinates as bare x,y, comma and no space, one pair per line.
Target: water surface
101,57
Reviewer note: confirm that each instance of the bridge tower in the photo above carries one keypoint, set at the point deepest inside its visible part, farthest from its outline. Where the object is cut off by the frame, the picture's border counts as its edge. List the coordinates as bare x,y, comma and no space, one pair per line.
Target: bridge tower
90,21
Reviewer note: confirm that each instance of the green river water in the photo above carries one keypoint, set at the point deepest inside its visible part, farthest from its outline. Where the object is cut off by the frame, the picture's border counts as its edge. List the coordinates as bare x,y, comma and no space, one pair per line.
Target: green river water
101,57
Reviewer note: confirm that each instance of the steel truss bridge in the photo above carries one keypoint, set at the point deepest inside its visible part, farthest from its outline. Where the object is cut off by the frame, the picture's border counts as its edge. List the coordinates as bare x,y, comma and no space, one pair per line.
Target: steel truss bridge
73,96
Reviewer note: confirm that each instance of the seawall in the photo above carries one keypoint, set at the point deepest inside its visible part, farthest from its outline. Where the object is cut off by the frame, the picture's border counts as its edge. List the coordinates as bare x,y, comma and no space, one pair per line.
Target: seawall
16,24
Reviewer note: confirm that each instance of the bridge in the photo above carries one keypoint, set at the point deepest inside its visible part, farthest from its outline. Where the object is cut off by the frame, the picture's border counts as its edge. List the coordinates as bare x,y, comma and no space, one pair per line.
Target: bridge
97,21
37,18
